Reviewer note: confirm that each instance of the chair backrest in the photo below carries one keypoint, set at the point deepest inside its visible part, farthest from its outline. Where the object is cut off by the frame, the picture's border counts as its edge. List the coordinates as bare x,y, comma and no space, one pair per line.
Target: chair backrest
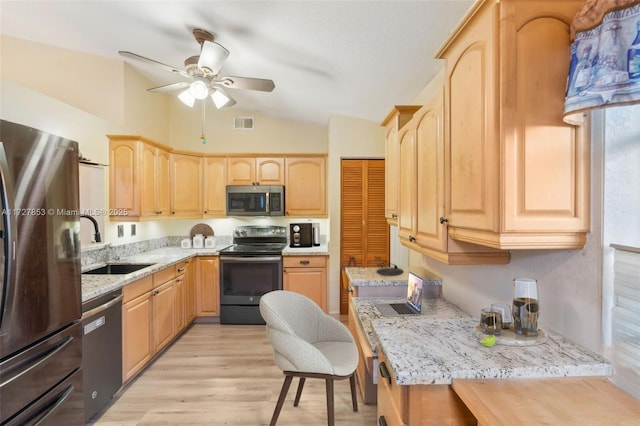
291,313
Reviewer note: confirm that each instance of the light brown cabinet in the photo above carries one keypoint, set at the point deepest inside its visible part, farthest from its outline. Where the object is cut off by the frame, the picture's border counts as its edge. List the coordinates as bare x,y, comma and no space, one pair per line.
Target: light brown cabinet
306,275
136,327
306,186
186,187
208,286
418,404
256,171
154,312
423,201
364,371
517,175
138,178
395,120
215,181
154,181
190,290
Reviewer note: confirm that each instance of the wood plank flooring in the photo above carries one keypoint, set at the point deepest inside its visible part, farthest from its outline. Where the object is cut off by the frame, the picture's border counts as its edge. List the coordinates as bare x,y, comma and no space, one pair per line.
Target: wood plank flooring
225,375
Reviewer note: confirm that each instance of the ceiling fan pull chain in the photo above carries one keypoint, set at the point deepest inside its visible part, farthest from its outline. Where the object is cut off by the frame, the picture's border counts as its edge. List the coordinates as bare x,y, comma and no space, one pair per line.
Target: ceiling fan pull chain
202,138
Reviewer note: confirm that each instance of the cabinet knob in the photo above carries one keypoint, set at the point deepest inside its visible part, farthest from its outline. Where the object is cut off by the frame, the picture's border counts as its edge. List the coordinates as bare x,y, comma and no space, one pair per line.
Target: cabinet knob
443,220
180,269
394,216
158,212
411,239
173,212
304,262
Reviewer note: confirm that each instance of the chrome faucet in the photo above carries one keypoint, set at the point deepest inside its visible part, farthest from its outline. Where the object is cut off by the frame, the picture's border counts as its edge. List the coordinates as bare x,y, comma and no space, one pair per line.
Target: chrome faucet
95,227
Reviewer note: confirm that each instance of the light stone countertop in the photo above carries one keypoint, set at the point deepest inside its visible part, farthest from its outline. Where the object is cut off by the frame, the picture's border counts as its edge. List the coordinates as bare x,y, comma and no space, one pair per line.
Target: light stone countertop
97,285
366,312
436,351
369,277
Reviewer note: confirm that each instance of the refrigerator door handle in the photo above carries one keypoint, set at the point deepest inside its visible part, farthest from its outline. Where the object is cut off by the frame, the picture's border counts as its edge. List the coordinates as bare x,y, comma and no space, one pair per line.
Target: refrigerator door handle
8,231
56,349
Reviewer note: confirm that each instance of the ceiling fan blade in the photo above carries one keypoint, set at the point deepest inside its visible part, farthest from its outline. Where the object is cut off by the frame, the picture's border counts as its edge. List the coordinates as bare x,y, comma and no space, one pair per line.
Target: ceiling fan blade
212,56
137,57
247,83
170,87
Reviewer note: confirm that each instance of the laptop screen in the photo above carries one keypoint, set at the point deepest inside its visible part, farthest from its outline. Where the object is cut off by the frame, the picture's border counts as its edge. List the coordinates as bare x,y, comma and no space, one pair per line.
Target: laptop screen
414,291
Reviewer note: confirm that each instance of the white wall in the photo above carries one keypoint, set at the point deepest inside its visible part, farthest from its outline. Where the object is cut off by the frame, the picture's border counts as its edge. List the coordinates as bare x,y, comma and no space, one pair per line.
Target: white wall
348,138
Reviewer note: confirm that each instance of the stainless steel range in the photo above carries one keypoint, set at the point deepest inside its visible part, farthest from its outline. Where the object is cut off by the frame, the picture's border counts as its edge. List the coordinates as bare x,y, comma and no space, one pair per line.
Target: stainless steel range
249,268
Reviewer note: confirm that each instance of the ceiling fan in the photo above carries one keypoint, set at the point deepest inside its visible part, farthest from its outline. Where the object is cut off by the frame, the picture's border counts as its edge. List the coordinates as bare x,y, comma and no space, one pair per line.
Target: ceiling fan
204,71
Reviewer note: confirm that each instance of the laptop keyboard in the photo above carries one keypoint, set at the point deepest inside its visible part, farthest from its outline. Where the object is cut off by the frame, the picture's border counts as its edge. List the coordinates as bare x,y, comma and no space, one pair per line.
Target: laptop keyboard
401,308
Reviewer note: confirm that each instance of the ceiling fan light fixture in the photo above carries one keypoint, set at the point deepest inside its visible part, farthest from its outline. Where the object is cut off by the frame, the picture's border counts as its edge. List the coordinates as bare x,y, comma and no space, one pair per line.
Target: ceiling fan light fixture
221,99
199,89
212,56
187,98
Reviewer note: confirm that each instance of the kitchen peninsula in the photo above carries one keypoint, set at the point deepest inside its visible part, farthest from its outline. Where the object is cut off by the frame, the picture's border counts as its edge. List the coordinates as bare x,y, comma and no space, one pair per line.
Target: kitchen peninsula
415,359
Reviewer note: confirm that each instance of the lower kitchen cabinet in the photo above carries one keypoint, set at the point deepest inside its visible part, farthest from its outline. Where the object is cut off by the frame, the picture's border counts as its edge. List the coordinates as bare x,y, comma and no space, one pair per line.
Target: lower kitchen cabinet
154,311
418,404
306,275
366,364
208,286
190,291
136,327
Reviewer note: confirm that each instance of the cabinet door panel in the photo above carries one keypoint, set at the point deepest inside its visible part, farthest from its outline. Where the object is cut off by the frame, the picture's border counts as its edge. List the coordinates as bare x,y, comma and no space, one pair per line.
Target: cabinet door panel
310,282
306,191
123,174
407,200
270,171
241,171
163,315
187,185
163,182
208,287
136,335
215,179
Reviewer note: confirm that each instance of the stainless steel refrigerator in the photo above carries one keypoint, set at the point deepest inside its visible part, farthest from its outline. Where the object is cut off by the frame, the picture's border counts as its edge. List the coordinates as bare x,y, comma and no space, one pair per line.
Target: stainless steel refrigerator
40,300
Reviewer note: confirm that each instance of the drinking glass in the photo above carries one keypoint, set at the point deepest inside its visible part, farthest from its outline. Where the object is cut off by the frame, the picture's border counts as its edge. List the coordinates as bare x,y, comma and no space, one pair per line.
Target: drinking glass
490,321
526,306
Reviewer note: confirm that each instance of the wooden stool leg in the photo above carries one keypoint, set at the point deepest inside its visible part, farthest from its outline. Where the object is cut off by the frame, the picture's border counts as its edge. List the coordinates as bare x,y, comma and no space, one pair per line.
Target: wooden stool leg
330,420
283,394
354,397
299,392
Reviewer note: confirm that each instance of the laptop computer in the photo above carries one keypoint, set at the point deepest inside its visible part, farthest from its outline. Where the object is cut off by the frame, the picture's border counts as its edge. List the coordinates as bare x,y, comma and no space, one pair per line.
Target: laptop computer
413,303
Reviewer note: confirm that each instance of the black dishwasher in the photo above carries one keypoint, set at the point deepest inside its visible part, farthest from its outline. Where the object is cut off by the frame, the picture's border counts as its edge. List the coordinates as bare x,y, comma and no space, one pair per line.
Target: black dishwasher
101,350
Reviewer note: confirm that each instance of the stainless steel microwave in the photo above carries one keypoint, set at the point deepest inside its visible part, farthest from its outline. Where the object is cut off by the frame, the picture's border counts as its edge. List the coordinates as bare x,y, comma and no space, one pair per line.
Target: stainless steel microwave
255,200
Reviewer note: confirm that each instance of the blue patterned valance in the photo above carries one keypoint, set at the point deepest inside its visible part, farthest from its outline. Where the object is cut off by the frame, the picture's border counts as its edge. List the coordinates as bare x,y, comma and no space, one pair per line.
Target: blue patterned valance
605,59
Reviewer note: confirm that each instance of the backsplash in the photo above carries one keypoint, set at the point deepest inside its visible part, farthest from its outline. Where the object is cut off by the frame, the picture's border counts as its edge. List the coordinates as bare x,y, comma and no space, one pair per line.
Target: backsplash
110,253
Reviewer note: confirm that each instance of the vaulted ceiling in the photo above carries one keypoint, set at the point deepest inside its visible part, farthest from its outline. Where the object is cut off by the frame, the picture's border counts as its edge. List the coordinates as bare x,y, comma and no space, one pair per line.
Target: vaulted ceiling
350,57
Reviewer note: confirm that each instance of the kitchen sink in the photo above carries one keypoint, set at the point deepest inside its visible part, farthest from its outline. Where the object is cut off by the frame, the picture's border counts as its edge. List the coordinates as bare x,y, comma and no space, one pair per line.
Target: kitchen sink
117,268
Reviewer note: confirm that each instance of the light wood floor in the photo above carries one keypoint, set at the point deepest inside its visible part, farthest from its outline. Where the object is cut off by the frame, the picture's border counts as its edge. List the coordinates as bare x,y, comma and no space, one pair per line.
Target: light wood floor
225,375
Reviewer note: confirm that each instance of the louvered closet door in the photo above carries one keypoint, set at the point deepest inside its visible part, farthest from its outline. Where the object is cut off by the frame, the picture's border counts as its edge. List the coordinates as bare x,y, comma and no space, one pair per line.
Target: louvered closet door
364,235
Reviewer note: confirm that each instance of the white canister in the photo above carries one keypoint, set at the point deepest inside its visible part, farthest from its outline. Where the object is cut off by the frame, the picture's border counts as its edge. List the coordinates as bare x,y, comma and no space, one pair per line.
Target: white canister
185,243
209,243
198,241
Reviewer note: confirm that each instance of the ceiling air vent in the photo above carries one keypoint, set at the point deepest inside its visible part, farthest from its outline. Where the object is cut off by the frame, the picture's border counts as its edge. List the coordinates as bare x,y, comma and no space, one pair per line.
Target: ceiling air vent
243,123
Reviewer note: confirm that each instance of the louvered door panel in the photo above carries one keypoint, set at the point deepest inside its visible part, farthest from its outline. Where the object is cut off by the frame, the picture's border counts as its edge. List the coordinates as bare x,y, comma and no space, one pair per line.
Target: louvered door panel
377,228
364,236
352,239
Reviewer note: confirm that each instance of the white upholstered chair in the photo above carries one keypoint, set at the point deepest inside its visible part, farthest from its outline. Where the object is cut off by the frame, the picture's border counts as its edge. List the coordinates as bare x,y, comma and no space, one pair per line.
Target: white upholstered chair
307,343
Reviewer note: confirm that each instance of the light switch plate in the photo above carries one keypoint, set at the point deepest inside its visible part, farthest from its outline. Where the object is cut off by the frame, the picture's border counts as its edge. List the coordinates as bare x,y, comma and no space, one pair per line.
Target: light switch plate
133,229
120,231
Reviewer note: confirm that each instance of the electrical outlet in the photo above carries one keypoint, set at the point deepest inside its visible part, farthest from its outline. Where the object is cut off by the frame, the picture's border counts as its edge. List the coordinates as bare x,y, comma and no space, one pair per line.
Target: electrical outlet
120,231
133,229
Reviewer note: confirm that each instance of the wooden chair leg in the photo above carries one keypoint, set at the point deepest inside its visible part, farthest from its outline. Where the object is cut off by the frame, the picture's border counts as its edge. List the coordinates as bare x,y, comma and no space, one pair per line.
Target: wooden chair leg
354,397
283,395
330,418
299,392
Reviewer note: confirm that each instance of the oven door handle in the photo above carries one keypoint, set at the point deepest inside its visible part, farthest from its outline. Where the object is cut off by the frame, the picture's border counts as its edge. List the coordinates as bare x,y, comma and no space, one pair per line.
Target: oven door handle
250,258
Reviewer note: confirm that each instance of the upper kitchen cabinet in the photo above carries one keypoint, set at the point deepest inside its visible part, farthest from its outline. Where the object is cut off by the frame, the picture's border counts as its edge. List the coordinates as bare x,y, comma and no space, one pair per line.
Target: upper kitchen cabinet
215,181
517,175
186,187
395,120
422,192
139,176
255,171
306,186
